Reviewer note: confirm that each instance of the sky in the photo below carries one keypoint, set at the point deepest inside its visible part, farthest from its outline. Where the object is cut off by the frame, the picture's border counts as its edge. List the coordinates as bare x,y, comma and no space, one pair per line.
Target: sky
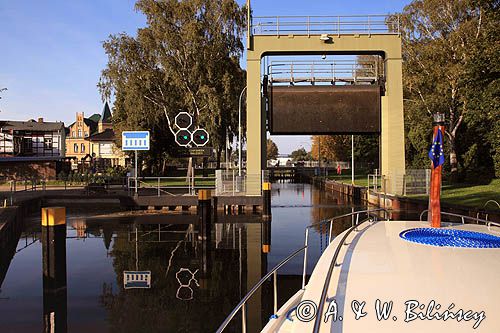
51,53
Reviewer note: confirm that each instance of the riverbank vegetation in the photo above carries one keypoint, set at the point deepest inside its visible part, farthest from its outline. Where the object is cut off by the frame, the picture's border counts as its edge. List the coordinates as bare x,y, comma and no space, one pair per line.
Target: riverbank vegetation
450,65
186,58
469,195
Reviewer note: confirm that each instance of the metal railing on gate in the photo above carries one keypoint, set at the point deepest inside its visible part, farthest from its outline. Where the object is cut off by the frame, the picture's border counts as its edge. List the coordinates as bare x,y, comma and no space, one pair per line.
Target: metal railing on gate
335,25
297,71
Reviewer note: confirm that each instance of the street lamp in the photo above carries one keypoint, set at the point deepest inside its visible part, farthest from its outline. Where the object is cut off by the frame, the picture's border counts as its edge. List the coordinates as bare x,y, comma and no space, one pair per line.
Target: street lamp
239,132
352,159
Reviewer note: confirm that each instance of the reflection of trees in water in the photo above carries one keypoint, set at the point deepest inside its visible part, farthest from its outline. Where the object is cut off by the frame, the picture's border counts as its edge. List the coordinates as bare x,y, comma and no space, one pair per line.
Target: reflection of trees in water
158,309
9,237
325,206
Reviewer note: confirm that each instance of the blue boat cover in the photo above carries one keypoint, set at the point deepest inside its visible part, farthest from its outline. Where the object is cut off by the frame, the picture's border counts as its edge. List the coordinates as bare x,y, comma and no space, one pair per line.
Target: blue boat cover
451,237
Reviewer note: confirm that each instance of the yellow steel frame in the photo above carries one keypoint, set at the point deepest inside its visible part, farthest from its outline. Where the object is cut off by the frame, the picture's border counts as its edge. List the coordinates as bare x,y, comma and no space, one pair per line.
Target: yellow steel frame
392,133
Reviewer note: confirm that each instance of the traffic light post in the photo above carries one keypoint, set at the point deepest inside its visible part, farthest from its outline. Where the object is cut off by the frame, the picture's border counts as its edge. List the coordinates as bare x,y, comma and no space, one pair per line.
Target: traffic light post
184,137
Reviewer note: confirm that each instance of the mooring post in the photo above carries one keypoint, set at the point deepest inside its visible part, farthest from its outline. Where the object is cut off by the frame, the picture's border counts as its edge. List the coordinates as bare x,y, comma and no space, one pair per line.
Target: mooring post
215,206
266,236
205,229
266,200
54,269
204,213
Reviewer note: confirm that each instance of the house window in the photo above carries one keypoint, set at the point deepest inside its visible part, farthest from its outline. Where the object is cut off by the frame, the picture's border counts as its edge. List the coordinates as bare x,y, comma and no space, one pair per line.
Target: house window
86,134
47,143
75,147
83,148
27,145
74,134
79,132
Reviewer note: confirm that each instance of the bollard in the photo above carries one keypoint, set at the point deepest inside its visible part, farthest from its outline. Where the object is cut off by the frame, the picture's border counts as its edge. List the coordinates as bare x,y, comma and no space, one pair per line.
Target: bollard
266,198
205,228
54,269
266,236
215,205
204,213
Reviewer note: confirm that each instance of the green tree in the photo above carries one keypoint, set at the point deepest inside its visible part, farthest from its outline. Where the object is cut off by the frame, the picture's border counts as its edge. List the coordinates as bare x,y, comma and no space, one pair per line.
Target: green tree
301,155
441,41
272,149
338,148
483,76
186,58
331,147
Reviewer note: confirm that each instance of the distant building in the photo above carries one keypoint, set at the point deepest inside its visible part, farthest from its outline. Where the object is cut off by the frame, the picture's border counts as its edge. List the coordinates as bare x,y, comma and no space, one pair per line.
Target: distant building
31,148
104,150
76,146
90,141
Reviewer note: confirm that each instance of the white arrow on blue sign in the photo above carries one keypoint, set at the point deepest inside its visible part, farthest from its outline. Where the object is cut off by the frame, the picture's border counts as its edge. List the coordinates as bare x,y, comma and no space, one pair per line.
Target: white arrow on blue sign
135,140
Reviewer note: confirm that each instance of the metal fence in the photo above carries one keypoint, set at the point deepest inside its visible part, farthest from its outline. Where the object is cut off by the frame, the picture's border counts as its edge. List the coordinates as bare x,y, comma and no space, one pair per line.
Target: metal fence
160,186
310,164
315,25
417,181
229,182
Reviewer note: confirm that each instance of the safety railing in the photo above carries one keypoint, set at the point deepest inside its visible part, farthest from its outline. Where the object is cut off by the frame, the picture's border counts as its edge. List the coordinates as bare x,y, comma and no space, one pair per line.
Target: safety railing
351,71
242,304
355,221
163,185
463,218
324,292
315,25
230,182
486,205
12,190
374,182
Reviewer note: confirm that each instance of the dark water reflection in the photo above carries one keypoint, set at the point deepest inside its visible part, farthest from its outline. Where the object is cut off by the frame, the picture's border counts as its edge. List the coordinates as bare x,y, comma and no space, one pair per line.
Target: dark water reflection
194,284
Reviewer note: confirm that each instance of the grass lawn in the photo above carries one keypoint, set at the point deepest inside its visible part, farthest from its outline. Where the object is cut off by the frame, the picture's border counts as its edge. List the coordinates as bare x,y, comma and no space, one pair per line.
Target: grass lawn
470,195
360,180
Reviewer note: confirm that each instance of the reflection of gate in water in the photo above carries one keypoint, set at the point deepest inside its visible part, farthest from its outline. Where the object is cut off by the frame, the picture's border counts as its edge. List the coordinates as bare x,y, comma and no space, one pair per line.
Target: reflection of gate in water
187,285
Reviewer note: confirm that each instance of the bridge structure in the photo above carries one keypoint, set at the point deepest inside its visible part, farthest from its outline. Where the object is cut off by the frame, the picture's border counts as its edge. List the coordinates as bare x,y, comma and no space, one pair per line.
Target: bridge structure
339,97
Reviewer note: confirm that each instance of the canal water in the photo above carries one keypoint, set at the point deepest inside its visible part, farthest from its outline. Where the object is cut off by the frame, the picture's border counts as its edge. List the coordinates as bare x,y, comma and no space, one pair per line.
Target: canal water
194,284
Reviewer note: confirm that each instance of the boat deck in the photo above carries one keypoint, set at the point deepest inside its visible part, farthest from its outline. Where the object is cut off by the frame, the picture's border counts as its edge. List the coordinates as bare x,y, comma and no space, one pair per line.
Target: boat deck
377,264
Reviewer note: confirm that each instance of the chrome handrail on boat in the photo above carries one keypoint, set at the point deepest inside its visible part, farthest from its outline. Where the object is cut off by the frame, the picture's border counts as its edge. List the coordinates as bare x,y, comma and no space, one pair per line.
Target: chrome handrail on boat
330,221
489,224
242,304
484,207
462,217
324,292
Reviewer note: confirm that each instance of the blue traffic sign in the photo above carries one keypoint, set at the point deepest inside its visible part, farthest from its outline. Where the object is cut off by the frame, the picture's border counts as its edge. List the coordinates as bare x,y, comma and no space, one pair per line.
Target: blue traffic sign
136,279
135,140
